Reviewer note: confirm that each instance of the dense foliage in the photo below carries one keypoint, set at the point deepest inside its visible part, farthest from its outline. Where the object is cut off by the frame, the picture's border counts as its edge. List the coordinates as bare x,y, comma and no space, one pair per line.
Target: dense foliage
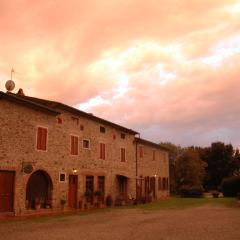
231,186
196,167
189,173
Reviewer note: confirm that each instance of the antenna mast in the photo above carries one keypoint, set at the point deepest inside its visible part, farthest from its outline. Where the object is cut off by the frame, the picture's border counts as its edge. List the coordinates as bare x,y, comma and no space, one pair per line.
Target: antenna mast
12,71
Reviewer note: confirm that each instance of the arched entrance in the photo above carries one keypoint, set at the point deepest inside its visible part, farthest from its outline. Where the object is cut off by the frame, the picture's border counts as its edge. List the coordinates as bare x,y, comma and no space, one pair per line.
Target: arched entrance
39,190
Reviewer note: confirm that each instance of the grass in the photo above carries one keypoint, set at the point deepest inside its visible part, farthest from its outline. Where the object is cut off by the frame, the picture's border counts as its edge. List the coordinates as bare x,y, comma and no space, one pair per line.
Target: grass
182,203
173,203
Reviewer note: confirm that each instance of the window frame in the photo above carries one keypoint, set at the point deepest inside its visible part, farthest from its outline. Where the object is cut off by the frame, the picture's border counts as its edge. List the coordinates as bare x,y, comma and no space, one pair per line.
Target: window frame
65,177
88,144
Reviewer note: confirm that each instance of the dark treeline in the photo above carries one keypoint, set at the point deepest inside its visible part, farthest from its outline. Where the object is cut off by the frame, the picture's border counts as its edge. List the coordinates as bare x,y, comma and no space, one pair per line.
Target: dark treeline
198,169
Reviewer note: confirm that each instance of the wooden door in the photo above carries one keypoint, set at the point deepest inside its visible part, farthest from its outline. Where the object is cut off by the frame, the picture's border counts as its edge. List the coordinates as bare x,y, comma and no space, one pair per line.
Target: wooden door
6,191
72,191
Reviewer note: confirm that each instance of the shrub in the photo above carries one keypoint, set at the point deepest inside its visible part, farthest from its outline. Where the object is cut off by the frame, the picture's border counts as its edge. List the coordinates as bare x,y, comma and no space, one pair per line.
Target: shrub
231,186
191,191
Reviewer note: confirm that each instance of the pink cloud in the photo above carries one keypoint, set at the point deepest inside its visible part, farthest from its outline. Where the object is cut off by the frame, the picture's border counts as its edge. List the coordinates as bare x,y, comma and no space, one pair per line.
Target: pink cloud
158,63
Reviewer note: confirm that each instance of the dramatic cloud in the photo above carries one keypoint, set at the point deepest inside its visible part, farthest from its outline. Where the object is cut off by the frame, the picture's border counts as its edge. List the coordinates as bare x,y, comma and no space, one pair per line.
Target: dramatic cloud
169,69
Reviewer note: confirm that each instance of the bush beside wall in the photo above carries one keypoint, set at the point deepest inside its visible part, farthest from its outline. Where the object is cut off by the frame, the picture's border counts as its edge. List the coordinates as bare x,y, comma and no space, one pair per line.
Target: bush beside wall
231,186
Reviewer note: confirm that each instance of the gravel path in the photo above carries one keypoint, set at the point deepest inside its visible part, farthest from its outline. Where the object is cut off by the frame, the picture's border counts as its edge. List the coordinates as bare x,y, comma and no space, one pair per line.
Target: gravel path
205,222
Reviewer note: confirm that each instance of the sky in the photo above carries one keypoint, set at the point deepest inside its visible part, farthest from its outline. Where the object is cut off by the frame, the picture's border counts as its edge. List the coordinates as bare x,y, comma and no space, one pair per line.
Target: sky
169,69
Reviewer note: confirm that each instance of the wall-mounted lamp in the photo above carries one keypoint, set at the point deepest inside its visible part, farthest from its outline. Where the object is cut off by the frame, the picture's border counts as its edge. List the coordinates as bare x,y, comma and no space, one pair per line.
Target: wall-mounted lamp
74,170
155,175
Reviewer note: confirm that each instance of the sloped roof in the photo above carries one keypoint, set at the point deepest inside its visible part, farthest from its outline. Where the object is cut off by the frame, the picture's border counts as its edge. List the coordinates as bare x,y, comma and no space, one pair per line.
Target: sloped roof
22,101
149,143
51,106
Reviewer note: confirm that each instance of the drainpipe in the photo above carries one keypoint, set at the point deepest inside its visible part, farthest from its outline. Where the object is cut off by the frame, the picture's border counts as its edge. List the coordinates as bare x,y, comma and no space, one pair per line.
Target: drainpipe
136,156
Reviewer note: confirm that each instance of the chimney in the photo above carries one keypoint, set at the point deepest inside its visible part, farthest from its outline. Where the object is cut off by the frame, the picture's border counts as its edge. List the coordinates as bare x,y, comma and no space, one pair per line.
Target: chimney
20,92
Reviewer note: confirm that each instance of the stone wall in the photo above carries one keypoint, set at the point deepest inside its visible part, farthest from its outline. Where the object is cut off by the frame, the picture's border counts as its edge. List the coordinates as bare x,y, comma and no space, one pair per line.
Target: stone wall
18,128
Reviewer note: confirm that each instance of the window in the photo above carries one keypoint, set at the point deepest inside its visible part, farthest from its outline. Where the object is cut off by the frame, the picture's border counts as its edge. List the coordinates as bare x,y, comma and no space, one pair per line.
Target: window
102,129
75,120
41,138
62,177
74,145
141,151
154,153
81,127
164,184
86,143
59,120
122,135
159,183
89,188
123,153
167,184
102,151
101,184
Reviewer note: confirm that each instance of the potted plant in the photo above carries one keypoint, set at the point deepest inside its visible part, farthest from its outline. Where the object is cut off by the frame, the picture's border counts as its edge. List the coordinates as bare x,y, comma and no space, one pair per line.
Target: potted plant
37,203
99,198
89,196
63,202
215,194
109,201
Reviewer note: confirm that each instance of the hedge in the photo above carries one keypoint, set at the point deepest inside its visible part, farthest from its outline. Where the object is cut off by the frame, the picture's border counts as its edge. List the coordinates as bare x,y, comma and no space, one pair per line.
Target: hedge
231,186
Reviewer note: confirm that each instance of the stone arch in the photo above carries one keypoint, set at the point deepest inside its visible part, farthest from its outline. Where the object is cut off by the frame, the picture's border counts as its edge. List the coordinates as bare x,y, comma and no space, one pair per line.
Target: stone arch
39,190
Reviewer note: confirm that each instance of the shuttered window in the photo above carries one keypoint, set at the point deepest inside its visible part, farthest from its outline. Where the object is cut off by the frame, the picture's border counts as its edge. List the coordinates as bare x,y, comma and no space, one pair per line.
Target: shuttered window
102,151
74,145
159,183
41,138
154,155
141,151
123,155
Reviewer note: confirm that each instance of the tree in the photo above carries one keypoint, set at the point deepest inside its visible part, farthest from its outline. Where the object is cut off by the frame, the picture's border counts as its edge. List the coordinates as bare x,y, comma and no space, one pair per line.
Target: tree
174,152
221,163
189,172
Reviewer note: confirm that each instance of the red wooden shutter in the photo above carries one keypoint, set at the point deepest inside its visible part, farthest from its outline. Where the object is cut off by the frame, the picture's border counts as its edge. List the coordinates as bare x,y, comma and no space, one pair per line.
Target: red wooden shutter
141,151
39,130
76,146
123,159
72,145
44,142
153,155
41,138
102,151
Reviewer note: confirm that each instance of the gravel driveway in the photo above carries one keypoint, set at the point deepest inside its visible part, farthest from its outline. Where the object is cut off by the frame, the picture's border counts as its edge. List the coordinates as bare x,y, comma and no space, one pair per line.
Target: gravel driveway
205,222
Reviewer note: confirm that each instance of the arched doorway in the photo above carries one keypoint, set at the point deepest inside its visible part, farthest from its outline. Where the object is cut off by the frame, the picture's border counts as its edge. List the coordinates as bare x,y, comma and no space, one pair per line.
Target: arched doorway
39,190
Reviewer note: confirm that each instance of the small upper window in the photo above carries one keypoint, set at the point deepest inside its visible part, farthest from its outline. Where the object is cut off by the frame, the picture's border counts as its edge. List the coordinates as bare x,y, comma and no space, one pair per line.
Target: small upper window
122,135
42,138
81,127
102,129
75,120
59,120
86,143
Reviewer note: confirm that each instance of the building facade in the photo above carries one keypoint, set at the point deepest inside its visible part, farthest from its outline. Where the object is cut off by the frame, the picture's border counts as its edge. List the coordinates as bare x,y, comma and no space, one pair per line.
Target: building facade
53,156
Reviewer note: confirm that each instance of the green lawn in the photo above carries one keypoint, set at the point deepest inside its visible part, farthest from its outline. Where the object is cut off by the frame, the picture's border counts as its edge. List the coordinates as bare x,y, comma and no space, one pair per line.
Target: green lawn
168,204
178,203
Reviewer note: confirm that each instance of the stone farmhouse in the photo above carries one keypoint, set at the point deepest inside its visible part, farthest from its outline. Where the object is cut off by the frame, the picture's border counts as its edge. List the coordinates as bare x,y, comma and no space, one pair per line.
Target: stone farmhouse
53,157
